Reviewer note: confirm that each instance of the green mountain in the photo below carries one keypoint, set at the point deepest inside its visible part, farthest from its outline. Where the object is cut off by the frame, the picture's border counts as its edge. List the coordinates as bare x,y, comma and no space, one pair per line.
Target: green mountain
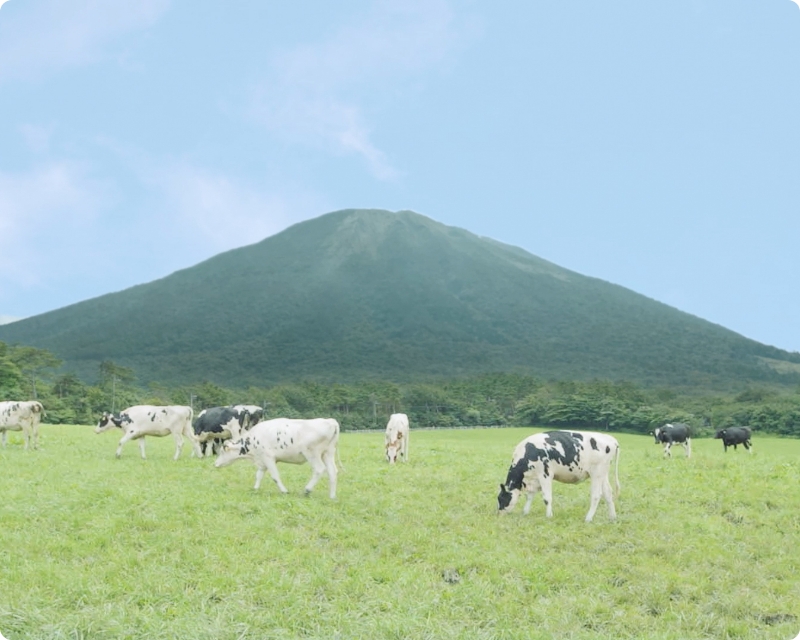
361,294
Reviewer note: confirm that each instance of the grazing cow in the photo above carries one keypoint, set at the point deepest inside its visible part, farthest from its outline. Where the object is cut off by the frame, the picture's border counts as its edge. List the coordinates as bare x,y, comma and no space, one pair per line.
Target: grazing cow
734,436
22,416
255,414
566,456
285,440
670,434
146,420
217,424
397,437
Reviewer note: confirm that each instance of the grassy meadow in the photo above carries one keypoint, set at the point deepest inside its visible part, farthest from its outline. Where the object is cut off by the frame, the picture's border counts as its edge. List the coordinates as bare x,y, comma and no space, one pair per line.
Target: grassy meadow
99,548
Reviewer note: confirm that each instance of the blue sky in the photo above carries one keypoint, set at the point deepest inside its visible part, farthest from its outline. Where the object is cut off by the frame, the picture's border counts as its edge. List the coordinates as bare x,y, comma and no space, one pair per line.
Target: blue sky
653,145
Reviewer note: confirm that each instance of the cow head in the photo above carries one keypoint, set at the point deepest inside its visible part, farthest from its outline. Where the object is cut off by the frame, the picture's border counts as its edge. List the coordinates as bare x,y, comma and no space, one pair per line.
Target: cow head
108,421
656,433
507,499
393,448
720,434
234,450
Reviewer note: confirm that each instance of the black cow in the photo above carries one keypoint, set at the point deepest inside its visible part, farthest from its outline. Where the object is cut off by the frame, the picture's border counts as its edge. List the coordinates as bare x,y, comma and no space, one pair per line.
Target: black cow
218,424
734,436
670,434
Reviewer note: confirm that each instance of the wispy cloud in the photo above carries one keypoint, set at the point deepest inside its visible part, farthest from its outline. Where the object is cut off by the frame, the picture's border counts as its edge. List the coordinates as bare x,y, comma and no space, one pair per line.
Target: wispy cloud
315,94
217,212
39,37
52,200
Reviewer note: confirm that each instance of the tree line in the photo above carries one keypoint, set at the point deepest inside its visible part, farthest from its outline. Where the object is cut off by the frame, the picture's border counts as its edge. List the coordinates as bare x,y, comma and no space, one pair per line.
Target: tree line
499,399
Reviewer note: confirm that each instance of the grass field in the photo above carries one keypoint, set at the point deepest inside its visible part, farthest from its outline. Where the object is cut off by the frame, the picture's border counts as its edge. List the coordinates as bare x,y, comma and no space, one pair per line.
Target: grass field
99,548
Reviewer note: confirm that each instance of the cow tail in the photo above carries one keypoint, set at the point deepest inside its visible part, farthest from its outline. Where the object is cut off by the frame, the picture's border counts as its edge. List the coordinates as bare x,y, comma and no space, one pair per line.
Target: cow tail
616,470
338,455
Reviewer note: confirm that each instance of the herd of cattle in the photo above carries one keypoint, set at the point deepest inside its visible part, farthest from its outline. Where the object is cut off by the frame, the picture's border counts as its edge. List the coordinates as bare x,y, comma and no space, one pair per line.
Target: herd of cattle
239,432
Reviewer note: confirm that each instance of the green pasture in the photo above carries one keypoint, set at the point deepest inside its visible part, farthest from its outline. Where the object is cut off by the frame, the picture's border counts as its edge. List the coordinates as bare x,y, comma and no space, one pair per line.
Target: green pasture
99,548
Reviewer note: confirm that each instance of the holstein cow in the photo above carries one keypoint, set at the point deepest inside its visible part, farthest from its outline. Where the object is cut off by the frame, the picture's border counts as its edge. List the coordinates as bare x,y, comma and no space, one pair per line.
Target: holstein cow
147,420
222,423
670,434
286,440
21,416
397,437
734,436
565,456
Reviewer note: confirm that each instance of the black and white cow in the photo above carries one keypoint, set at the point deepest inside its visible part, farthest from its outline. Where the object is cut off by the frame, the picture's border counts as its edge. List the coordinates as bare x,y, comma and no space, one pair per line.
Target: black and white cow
565,456
670,434
396,439
22,416
286,440
218,424
147,420
255,414
734,436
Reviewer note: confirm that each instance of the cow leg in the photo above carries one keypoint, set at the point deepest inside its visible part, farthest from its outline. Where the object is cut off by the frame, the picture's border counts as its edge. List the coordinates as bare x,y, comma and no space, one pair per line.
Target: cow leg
546,484
597,490
330,465
141,448
688,446
178,445
405,449
26,434
128,436
667,452
748,446
528,502
4,438
317,469
272,467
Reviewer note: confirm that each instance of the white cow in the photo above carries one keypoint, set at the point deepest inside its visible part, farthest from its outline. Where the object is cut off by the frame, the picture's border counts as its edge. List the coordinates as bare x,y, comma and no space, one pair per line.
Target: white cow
286,440
147,420
397,437
21,416
566,456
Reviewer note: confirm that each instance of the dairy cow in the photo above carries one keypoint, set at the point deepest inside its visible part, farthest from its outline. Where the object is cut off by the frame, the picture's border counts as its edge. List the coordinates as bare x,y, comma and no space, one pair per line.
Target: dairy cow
287,440
565,456
396,439
21,416
670,434
222,423
147,420
734,436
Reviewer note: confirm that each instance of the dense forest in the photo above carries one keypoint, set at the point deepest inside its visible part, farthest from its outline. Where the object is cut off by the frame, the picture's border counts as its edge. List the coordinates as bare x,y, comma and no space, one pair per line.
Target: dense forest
483,400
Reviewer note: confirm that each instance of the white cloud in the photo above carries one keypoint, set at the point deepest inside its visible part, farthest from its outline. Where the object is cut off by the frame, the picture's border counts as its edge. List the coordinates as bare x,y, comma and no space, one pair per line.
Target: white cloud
55,199
314,93
214,212
38,37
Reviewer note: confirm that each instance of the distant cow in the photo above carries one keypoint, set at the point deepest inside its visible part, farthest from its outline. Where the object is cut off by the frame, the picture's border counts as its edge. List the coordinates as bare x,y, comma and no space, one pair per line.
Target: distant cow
22,416
670,434
146,420
286,440
734,436
397,437
565,456
222,423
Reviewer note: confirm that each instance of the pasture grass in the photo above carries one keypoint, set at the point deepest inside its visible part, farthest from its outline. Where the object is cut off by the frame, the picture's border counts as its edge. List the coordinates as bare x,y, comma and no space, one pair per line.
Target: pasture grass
97,548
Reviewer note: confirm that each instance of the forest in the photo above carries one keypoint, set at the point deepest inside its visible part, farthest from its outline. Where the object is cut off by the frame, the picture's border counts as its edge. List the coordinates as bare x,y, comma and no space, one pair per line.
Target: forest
489,400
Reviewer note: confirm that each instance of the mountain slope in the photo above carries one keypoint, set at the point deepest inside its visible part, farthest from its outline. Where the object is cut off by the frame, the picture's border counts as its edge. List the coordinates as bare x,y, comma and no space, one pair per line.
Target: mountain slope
372,294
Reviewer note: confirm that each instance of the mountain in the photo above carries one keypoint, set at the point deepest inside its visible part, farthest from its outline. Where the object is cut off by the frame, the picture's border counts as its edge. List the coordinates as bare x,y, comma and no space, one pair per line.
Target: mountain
369,294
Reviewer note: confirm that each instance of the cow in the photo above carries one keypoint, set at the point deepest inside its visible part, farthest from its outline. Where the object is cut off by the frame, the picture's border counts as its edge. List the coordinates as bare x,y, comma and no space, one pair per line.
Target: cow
397,437
734,436
287,440
22,416
565,456
670,434
147,420
222,423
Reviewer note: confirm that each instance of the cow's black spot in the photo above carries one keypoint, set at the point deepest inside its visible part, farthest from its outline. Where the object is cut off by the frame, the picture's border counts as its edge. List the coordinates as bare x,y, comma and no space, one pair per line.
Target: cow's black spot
593,442
608,449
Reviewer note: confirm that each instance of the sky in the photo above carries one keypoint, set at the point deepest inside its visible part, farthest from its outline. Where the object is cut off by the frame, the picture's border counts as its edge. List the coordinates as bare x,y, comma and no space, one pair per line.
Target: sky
653,145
